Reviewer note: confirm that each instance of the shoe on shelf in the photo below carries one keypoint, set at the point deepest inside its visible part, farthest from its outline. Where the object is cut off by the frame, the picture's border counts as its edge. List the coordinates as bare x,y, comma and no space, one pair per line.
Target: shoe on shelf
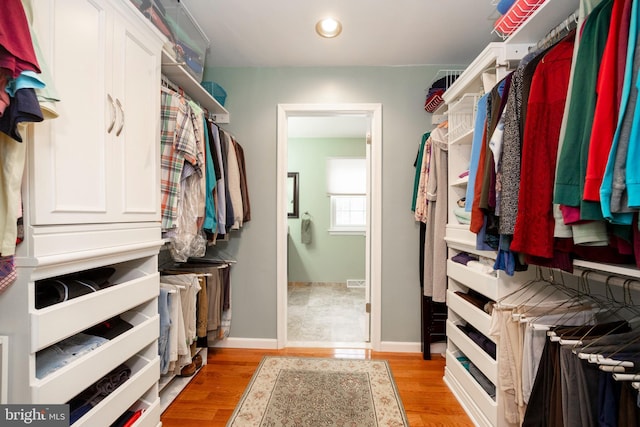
197,359
188,370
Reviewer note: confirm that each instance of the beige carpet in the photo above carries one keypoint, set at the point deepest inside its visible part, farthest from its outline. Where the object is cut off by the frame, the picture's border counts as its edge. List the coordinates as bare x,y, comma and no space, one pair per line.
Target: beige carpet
296,391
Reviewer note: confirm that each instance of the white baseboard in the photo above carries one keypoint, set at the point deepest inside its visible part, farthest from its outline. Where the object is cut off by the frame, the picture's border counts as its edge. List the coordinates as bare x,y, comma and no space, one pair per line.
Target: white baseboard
272,344
257,343
400,347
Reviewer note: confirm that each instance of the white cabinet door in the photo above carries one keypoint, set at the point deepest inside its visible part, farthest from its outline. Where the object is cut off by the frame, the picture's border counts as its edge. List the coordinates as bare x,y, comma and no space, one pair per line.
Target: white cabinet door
98,161
136,85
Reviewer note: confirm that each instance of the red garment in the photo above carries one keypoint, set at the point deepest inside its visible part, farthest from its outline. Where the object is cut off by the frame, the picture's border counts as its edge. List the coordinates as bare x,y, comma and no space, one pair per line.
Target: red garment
133,418
623,46
605,117
533,232
16,48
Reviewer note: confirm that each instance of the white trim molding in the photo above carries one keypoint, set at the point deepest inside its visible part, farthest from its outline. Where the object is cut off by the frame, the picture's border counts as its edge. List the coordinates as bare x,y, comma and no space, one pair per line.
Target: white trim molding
374,246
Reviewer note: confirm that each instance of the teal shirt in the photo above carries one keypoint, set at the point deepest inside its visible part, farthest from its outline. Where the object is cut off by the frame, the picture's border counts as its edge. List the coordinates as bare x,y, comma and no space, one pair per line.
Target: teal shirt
210,223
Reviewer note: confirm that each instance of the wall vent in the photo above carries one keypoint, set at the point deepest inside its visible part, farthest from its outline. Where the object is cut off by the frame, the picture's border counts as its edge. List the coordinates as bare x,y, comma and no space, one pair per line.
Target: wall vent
355,283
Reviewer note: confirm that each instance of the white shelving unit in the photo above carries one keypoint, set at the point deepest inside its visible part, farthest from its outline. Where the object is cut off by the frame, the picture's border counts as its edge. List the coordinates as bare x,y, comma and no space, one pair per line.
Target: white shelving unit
100,211
178,74
461,99
171,385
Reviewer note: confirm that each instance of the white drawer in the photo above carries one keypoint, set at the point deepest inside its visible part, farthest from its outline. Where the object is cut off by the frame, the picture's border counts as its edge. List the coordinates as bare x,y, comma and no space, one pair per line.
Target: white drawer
151,415
109,409
65,383
478,356
59,321
472,314
469,391
486,284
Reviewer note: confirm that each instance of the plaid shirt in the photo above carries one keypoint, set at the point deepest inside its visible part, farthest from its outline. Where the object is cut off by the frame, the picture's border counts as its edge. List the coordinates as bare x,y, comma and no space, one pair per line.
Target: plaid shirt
178,144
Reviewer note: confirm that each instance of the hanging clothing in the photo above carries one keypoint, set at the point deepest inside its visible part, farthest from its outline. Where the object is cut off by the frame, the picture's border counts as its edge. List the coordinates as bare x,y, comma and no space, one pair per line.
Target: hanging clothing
235,191
435,275
613,197
569,185
605,115
178,146
533,231
422,174
16,47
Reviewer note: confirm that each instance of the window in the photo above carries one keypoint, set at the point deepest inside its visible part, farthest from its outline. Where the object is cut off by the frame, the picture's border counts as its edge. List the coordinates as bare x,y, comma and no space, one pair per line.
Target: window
347,187
348,214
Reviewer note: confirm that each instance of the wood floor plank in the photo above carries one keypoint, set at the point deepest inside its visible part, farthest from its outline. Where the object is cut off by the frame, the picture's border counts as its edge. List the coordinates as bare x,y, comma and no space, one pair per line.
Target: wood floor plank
210,398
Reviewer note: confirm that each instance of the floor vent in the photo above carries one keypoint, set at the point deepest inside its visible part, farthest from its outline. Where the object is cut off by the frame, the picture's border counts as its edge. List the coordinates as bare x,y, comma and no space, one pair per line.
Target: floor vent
355,283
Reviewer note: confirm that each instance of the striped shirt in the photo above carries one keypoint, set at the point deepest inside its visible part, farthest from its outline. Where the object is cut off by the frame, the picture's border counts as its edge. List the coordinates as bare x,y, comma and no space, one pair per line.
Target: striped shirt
178,145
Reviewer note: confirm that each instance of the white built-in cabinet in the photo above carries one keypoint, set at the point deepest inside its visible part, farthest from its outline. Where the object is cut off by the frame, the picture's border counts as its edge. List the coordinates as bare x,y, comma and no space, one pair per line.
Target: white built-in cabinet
97,162
91,193
461,99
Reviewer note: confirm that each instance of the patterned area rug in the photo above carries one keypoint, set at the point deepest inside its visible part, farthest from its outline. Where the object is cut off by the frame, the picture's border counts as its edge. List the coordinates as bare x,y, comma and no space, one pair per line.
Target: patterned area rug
294,391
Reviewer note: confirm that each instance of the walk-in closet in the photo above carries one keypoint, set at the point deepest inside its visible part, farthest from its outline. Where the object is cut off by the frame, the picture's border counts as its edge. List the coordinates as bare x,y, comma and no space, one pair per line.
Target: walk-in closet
163,226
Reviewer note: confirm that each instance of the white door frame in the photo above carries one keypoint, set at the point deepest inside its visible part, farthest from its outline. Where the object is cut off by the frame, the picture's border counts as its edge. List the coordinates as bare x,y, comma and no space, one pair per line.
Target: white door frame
374,112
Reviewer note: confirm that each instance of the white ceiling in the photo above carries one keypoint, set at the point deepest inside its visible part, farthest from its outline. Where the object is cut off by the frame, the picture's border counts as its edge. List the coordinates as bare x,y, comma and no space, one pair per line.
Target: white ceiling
280,33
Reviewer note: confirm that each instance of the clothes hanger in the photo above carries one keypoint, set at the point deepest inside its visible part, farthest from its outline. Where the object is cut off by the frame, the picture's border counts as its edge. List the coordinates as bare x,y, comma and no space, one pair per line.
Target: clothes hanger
612,308
530,305
626,343
577,302
523,289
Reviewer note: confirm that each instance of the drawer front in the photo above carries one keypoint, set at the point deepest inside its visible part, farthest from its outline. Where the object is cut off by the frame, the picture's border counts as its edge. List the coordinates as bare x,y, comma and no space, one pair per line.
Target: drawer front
62,320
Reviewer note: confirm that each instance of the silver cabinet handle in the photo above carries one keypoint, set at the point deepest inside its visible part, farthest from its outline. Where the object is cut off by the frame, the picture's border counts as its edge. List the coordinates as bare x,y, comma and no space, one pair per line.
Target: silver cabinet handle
119,104
113,114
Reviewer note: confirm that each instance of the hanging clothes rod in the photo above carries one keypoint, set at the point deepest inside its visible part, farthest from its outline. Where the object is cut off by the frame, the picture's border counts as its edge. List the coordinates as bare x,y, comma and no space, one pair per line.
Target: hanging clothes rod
166,82
613,279
558,32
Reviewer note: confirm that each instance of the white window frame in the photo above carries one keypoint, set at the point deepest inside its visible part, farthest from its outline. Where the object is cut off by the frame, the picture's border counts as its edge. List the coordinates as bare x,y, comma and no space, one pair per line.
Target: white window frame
346,229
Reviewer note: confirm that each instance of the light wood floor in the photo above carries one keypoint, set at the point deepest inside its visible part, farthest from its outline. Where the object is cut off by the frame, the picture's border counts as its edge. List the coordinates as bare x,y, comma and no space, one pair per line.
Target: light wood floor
210,398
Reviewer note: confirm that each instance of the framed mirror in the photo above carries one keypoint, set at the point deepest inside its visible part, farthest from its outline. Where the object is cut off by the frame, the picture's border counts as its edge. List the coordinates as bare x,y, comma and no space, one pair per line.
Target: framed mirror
292,195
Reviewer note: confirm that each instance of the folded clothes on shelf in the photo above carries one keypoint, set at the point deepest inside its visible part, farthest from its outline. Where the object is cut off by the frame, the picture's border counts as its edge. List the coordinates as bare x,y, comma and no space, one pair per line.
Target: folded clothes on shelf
463,258
64,352
110,328
62,288
95,393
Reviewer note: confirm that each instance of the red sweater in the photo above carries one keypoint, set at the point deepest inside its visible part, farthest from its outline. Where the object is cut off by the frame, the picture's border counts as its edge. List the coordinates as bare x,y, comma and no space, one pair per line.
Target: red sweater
533,232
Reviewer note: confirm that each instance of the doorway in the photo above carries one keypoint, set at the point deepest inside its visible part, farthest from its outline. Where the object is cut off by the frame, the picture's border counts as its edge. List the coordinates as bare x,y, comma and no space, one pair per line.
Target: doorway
371,115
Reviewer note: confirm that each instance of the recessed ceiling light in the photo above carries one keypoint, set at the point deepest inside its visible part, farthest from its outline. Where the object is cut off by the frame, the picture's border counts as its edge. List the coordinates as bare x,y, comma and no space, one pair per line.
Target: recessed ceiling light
328,27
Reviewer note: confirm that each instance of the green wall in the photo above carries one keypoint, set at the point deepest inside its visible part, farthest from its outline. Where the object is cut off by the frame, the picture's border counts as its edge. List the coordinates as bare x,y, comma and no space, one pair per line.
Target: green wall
328,258
253,96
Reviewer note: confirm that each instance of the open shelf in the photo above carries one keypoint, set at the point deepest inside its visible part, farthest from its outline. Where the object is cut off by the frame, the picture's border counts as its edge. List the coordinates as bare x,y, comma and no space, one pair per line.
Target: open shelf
178,74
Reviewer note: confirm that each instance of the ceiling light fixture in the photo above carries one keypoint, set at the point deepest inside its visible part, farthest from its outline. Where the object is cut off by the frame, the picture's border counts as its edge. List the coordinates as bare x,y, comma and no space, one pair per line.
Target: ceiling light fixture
328,27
